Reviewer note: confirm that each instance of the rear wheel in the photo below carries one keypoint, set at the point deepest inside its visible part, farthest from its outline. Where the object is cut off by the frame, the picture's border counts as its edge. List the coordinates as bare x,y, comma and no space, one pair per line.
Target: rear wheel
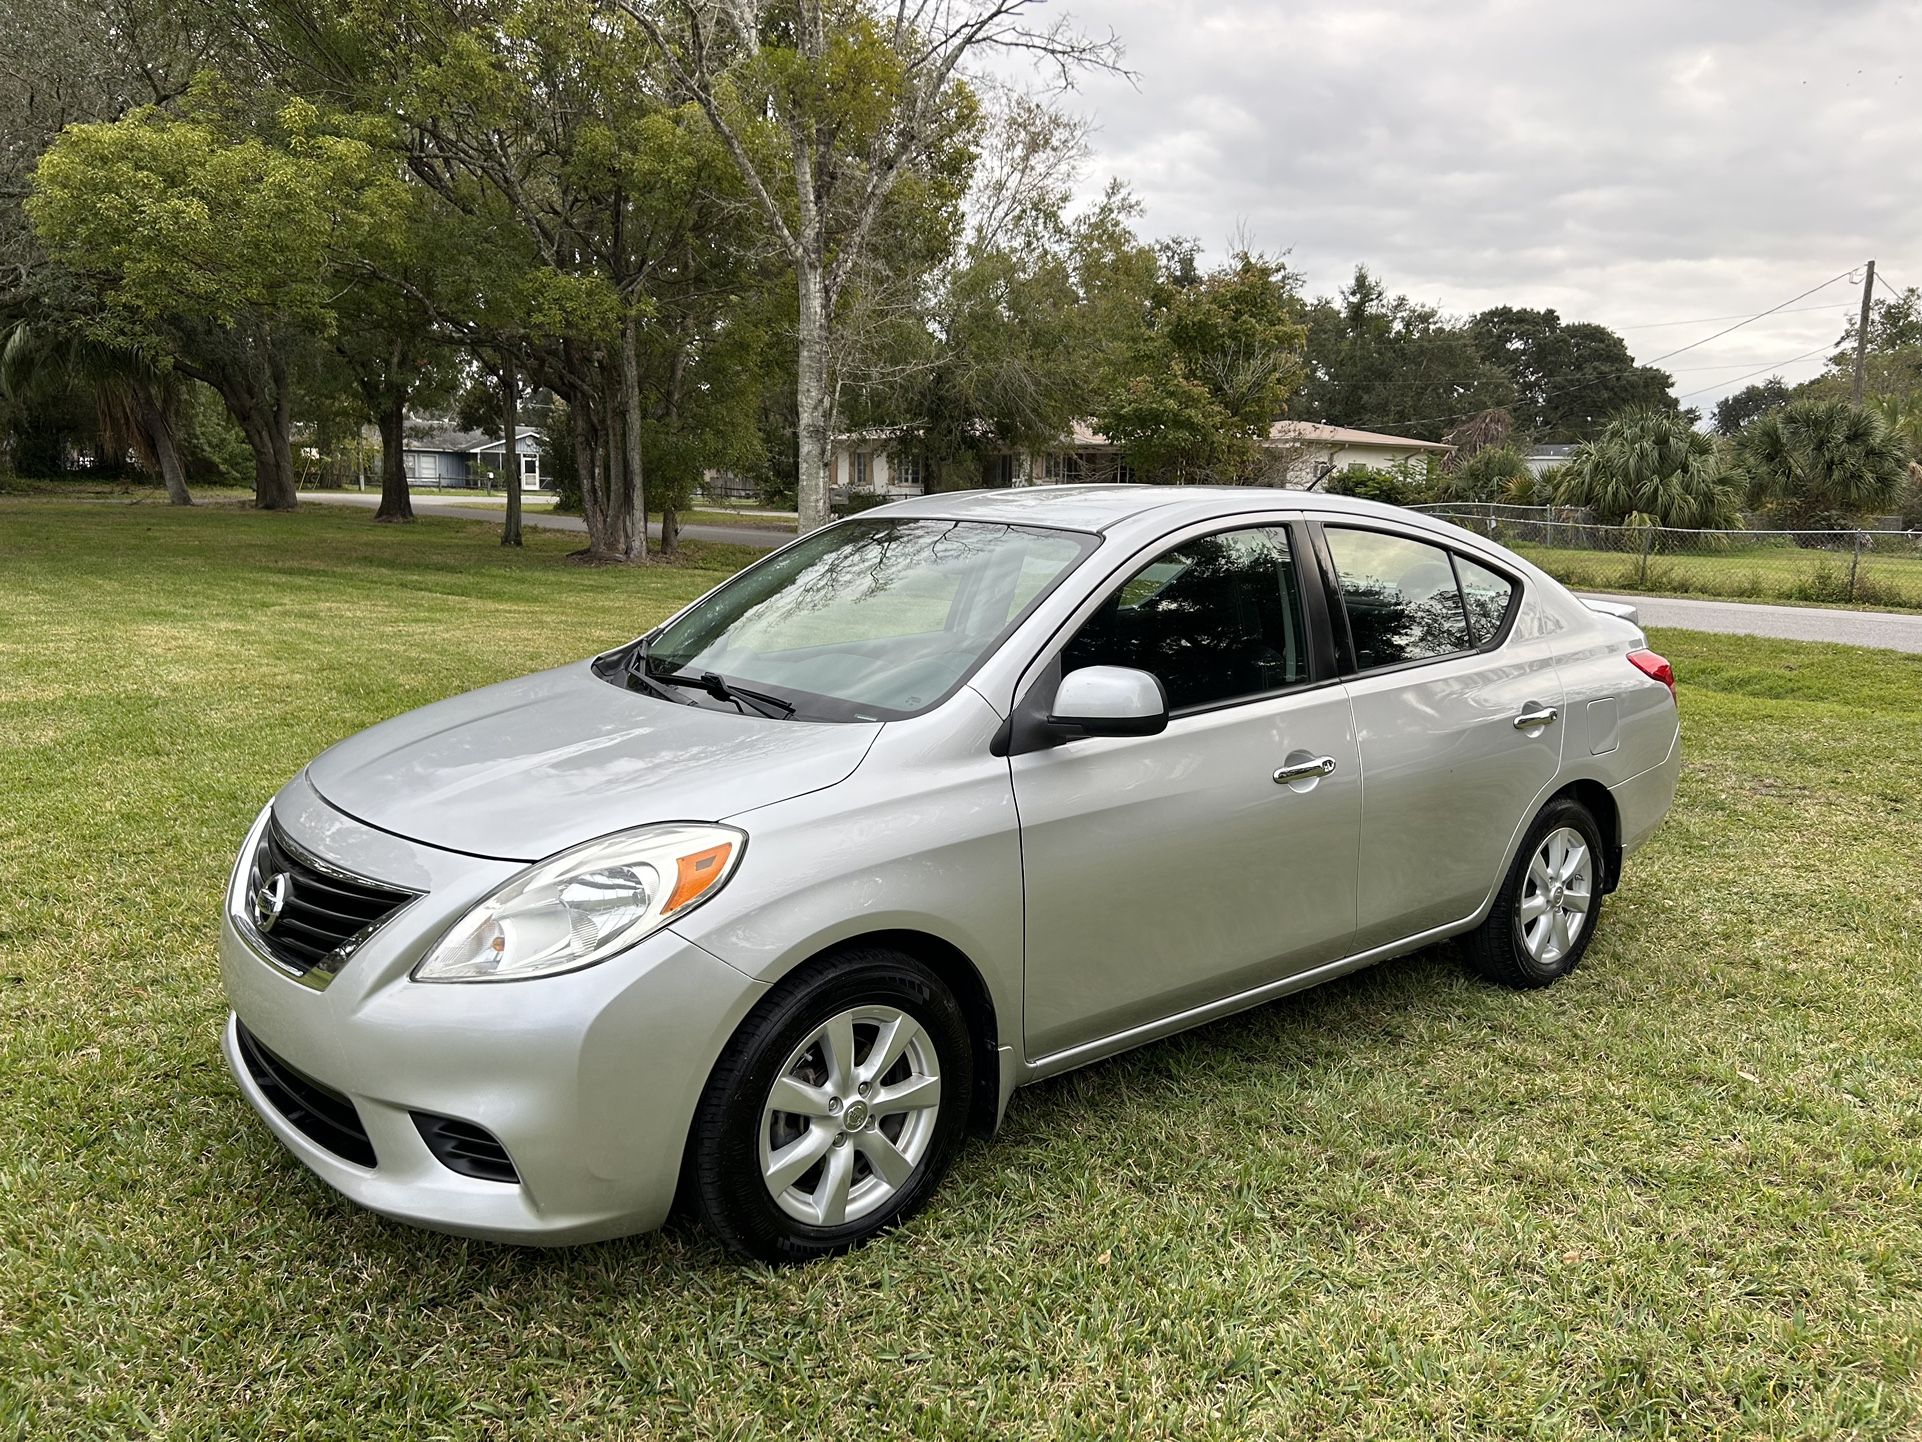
1546,912
835,1110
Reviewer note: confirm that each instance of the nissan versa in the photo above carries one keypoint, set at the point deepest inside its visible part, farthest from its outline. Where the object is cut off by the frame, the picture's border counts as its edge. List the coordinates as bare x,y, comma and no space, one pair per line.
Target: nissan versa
766,909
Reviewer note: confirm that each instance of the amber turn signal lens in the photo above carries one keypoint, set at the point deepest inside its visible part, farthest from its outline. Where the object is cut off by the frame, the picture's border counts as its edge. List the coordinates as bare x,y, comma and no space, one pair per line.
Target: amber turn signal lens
696,872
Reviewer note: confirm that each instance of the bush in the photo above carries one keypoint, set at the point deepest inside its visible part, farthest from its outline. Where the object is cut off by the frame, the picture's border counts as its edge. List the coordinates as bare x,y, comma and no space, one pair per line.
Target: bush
1370,484
212,448
1484,476
1910,510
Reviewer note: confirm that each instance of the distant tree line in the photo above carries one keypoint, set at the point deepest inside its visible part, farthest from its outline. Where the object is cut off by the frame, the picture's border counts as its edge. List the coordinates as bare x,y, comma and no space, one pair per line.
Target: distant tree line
677,237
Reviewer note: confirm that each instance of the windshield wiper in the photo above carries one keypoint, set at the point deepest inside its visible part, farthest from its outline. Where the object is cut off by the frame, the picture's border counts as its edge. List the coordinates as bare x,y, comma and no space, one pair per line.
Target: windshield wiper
639,676
721,689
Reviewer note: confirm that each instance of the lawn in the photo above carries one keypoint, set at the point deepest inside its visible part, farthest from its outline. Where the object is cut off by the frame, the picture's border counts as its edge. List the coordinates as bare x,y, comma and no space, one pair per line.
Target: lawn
1675,1195
1890,575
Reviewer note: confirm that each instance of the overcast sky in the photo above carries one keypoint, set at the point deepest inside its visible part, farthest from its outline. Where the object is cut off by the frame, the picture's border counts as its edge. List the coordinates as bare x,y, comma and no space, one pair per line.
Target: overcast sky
1632,163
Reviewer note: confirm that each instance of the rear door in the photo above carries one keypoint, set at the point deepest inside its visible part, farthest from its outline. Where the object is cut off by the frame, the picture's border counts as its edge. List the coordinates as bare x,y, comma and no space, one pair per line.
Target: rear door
1457,716
1165,872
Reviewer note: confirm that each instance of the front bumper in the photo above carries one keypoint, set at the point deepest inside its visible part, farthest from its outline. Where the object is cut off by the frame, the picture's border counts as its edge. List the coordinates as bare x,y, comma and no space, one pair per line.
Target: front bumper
589,1080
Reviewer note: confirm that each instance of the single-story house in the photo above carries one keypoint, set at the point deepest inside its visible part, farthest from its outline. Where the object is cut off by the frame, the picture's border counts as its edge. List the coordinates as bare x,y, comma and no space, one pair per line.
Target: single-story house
445,457
1302,453
1540,458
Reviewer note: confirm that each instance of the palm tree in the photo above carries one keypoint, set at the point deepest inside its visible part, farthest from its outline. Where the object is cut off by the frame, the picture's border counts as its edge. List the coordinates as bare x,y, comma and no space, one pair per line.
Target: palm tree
1651,462
1904,416
1821,464
137,403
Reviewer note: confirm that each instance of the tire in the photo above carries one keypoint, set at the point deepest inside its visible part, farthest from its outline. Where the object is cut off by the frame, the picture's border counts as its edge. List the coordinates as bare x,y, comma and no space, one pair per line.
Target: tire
1509,947
816,1034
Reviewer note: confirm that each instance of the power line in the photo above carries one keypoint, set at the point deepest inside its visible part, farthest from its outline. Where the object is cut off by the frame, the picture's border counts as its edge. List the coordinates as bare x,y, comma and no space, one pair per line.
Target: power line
1751,320
1712,319
1616,374
1777,365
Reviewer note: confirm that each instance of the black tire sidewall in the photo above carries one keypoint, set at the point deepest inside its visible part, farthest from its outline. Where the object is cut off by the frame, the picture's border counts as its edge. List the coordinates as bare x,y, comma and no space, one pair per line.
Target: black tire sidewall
725,1147
1501,942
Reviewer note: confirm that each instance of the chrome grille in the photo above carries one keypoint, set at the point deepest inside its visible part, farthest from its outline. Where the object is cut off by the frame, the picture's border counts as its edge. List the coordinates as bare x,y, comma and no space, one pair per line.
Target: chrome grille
320,915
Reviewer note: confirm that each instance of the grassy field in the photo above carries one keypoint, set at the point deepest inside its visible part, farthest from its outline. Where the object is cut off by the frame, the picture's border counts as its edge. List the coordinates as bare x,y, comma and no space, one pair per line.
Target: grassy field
1891,577
1675,1196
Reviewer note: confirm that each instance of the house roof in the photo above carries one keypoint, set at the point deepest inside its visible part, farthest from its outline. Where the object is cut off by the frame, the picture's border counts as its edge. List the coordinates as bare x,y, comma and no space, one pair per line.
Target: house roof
456,442
1320,433
526,437
443,438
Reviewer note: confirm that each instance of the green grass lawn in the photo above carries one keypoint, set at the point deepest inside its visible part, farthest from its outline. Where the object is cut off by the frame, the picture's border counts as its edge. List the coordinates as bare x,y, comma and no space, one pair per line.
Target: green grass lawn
1890,576
1674,1196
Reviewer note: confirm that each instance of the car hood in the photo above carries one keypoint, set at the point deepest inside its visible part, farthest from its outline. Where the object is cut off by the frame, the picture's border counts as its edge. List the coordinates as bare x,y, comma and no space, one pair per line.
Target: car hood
521,770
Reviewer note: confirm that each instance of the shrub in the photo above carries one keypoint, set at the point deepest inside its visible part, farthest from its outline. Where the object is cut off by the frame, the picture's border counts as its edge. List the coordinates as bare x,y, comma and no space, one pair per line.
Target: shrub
1484,476
1653,463
1371,484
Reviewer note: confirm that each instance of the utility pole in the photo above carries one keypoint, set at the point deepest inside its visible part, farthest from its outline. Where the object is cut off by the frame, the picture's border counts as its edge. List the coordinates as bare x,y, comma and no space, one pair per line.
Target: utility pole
1862,338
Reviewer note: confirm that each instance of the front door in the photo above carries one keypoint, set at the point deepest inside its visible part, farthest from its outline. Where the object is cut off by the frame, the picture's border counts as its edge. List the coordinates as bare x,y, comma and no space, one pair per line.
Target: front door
1165,872
1458,719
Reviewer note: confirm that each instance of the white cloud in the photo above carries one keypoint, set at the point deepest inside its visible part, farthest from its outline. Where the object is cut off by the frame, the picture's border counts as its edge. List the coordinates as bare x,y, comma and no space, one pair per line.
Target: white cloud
1652,160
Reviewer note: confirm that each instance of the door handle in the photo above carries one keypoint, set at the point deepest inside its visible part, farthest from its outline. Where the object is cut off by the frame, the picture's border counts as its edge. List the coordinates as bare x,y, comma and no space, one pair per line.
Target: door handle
1530,719
1305,770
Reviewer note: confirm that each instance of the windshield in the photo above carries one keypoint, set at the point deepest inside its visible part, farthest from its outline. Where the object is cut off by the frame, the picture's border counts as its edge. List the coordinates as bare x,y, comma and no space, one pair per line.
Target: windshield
869,620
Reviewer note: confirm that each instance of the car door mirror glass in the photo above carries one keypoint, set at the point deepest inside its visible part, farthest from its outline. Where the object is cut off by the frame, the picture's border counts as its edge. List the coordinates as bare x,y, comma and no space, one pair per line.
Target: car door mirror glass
1109,701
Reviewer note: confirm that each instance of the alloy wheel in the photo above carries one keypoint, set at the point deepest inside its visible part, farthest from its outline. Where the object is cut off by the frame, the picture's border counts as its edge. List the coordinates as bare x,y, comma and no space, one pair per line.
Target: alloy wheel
1556,895
850,1116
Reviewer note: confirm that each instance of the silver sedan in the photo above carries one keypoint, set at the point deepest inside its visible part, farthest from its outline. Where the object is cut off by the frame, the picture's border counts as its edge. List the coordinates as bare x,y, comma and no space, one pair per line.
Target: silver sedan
765,910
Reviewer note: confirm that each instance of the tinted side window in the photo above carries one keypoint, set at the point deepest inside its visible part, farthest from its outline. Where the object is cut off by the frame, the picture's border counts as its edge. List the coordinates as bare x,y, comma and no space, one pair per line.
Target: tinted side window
1485,596
1400,596
1214,618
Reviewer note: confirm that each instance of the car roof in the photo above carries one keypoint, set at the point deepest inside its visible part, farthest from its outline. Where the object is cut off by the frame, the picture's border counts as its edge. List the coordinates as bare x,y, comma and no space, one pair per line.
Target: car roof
1098,508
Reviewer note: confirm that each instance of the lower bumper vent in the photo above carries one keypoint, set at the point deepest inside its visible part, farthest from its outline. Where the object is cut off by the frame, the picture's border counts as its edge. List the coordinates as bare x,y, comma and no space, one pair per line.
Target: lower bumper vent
465,1148
317,1112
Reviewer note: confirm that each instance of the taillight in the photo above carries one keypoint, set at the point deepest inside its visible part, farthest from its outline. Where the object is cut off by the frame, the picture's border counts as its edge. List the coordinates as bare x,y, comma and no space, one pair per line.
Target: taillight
1656,668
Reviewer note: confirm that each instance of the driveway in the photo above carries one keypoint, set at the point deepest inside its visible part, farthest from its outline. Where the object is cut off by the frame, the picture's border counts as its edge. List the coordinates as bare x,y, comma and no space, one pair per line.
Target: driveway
765,538
1885,630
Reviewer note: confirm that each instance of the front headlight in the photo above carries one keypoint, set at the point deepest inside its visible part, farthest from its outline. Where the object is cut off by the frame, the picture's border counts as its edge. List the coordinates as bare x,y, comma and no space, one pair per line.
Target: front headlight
584,904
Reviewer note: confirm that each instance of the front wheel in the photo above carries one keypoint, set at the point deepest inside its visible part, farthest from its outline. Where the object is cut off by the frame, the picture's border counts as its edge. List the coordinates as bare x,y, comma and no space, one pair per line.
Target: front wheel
1546,912
834,1110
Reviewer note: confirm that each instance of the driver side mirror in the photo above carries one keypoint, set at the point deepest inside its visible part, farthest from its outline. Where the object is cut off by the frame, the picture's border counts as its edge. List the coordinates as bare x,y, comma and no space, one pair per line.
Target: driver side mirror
1109,701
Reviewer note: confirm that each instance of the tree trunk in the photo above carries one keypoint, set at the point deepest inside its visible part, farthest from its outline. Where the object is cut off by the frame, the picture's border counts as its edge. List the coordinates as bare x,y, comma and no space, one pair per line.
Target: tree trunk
589,441
157,421
274,488
285,491
811,398
633,495
396,500
510,458
670,529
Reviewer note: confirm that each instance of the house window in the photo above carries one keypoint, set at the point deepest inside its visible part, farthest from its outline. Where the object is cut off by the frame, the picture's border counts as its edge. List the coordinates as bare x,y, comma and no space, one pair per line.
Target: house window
860,471
907,472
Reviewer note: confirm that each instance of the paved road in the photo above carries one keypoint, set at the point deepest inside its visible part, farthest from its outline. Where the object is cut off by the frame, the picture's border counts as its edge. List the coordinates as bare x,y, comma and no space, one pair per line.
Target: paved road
546,520
1882,629
1891,631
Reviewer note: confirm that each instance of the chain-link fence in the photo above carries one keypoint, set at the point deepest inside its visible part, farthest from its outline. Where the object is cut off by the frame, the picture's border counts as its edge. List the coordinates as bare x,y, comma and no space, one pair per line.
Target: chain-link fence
1861,568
